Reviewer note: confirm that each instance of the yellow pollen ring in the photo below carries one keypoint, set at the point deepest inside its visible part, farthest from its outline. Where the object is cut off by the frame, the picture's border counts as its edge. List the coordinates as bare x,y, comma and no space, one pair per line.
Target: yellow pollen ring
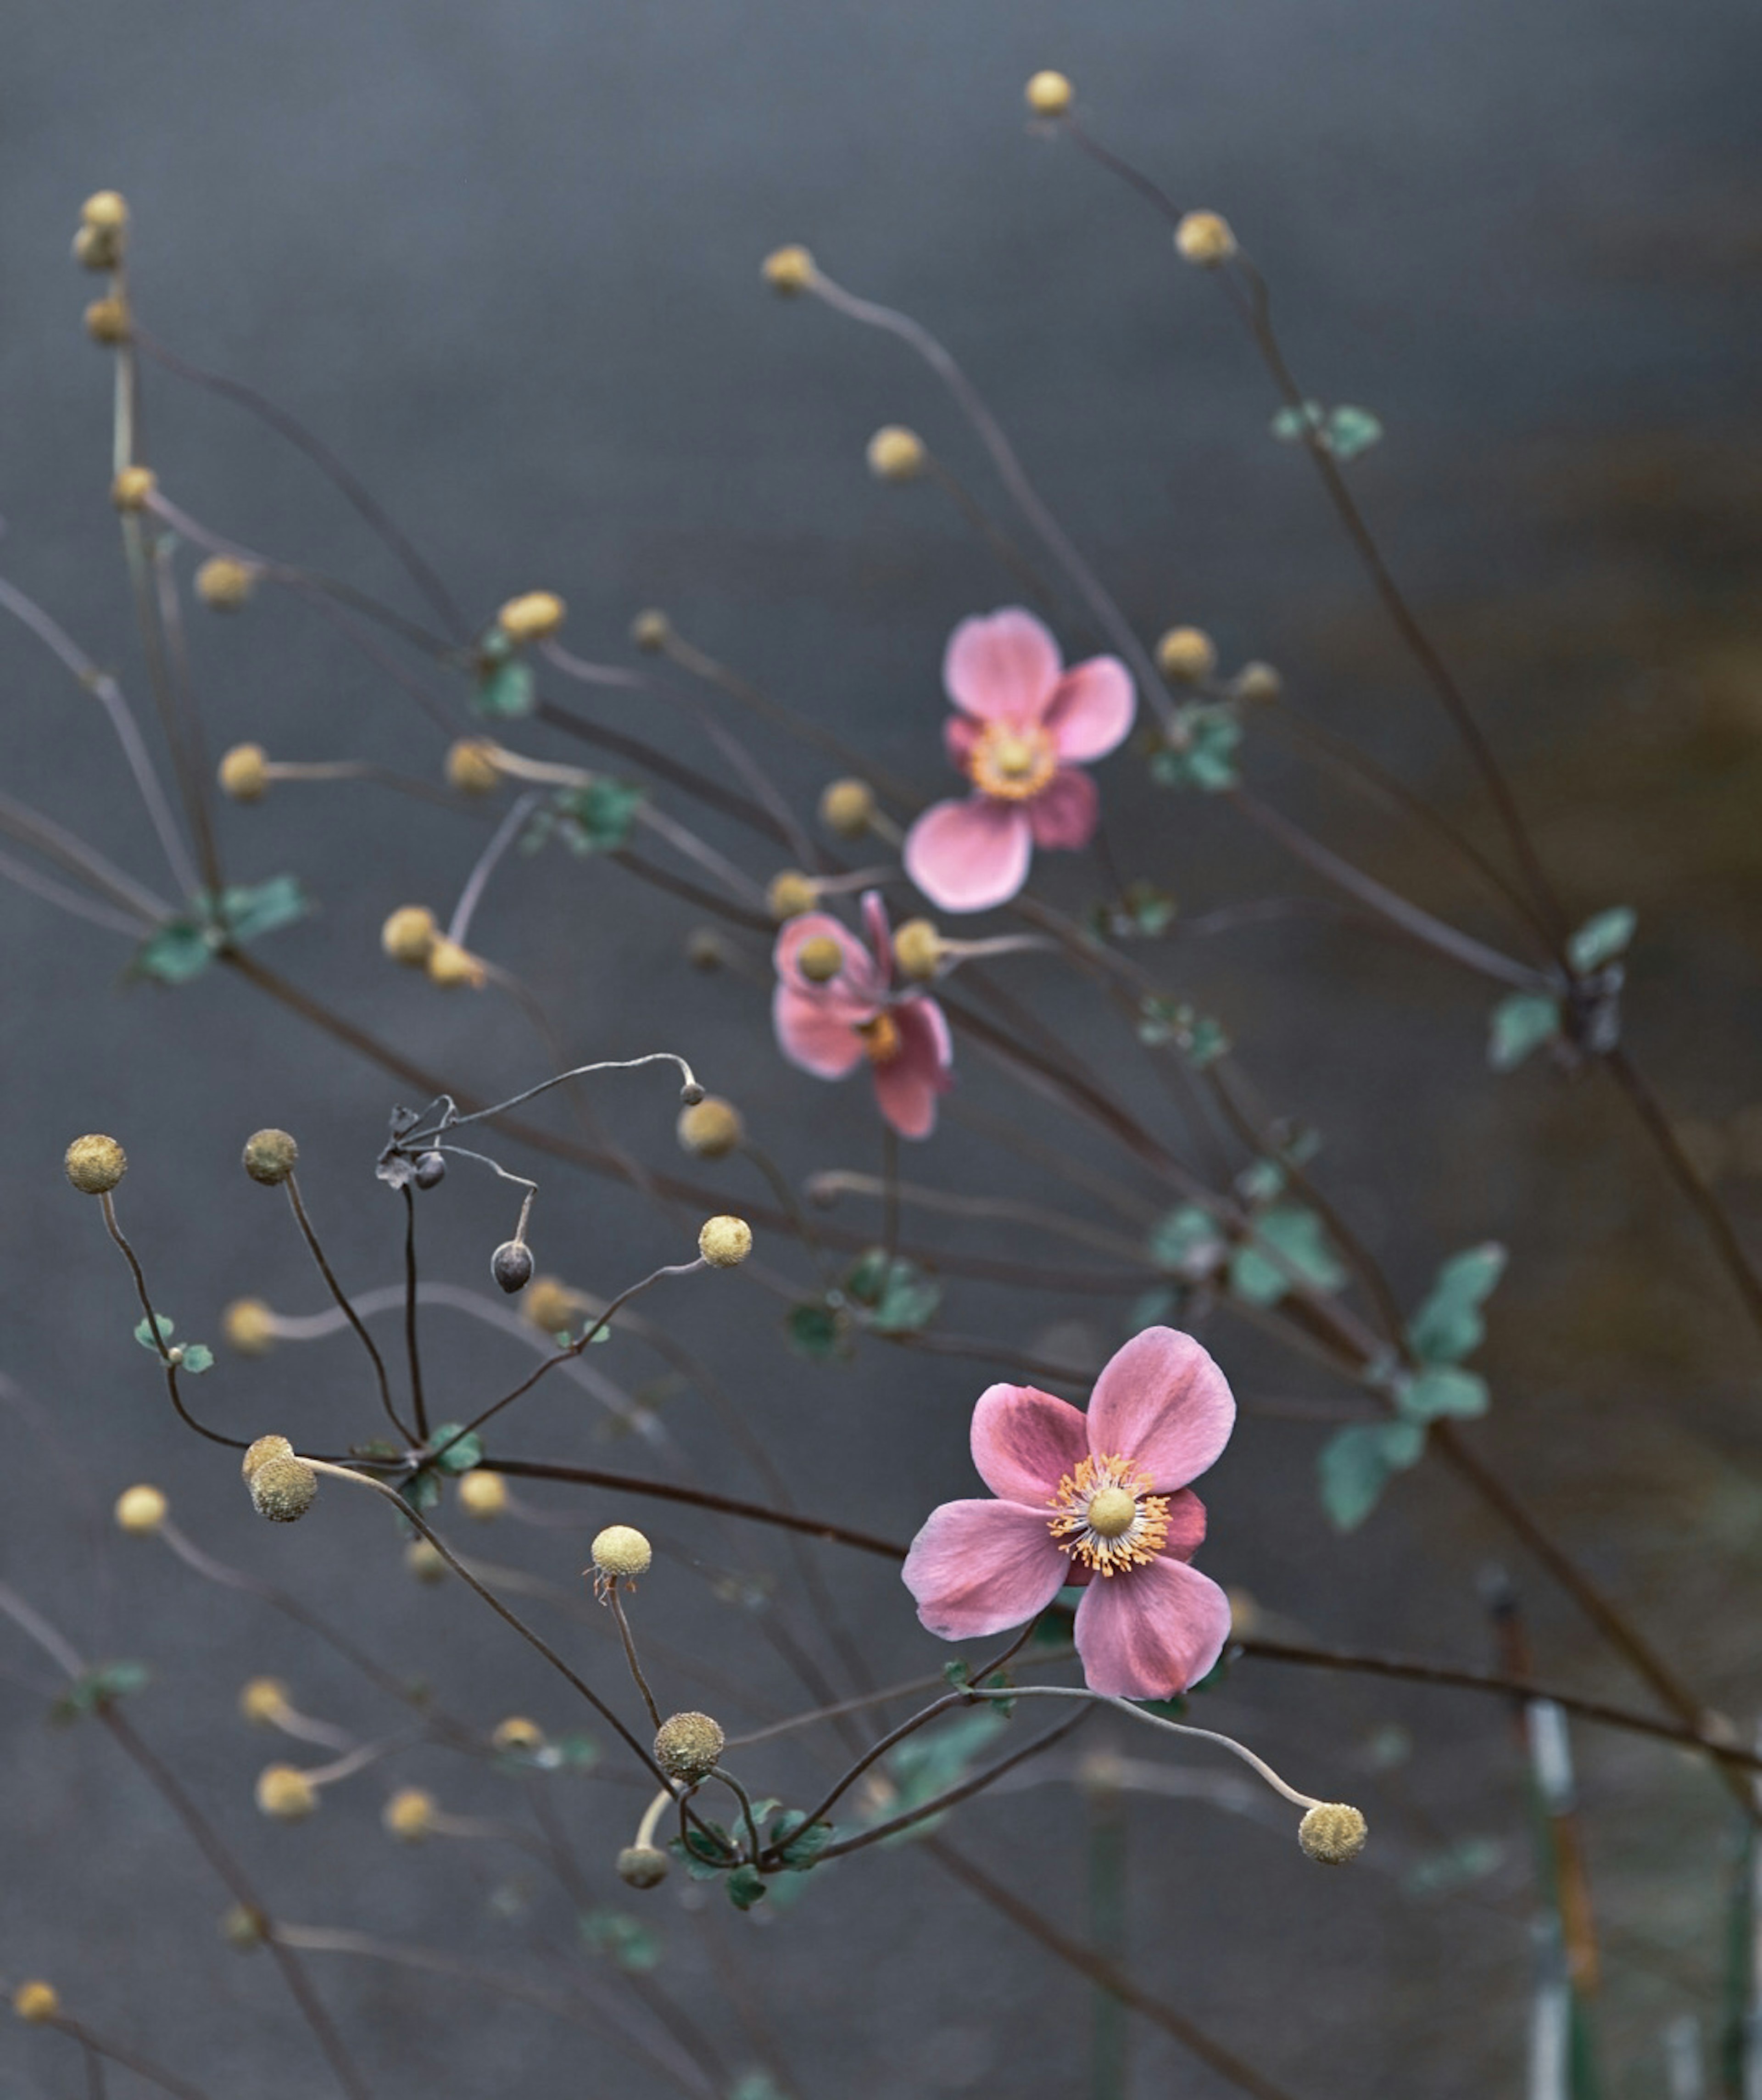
1104,1518
1011,762
880,1038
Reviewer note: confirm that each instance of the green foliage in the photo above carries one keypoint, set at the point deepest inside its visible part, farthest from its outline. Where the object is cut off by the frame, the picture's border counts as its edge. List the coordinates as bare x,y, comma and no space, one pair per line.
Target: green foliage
1601,939
1142,911
932,1761
797,1843
143,1332
506,689
746,1886
633,1945
422,1491
1359,1462
265,907
1295,1233
756,2085
1442,1390
596,818
818,1330
706,1851
1200,1039
900,1298
195,1357
1448,1325
1187,1240
1343,431
1520,1024
462,1456
184,947
1199,750
100,1687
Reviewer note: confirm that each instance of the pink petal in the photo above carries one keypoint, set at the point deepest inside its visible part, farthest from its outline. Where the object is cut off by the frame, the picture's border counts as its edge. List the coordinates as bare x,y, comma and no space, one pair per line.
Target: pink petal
908,1085
1025,1440
1163,1403
968,856
815,1035
959,734
978,1567
878,934
859,984
1092,708
1151,1632
1065,812
1005,666
1187,1524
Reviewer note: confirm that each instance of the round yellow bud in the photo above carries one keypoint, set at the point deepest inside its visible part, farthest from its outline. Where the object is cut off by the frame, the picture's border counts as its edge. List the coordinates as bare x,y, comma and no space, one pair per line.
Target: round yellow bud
1049,94
97,248
1187,654
895,454
642,1866
918,950
470,769
409,1815
650,630
820,960
1256,684
482,1495
106,209
688,1746
36,2001
550,1304
106,320
1333,1834
132,487
710,1129
95,1164
141,1510
789,270
449,965
248,1326
244,773
264,1448
725,1243
244,1928
282,1489
847,808
621,1550
1204,238
425,1561
223,584
408,935
269,1156
532,617
263,1701
791,893
516,1733
285,1793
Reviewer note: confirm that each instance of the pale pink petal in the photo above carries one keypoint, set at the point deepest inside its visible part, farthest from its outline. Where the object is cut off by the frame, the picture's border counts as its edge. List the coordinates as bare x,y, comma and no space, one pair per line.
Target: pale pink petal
1092,708
1002,668
859,983
959,735
814,1036
907,1085
1025,1441
1064,813
1151,1632
1163,1404
1187,1524
968,856
878,934
978,1567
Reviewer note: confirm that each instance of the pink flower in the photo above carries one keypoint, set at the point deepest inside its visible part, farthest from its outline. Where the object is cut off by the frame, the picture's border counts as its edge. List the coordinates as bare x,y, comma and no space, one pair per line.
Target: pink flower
1081,1495
833,1010
1025,721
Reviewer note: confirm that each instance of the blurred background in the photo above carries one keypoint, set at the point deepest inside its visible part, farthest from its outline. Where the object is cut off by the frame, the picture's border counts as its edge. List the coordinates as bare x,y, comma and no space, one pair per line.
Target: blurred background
506,261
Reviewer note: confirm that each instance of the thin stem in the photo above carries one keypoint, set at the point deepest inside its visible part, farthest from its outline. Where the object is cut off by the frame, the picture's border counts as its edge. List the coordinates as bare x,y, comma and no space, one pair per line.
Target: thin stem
346,1309
986,529
70,901
418,1402
97,2047
56,843
617,1604
504,836
754,1849
167,1360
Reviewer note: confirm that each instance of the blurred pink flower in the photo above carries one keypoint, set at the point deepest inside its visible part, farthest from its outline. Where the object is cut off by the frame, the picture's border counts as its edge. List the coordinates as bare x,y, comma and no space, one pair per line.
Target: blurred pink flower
1081,1495
828,1027
1025,721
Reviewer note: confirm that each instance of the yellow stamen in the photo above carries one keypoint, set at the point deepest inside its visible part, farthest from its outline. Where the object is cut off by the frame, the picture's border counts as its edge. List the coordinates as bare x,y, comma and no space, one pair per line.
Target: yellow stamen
1011,762
880,1038
1104,1519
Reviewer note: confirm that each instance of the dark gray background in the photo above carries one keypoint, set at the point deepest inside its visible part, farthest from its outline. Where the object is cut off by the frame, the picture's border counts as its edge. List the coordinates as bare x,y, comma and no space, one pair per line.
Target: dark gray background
506,261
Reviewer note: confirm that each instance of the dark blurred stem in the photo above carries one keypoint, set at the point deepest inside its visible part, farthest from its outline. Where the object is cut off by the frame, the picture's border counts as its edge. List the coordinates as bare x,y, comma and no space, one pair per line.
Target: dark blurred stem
95,2048
168,1362
986,529
418,1404
346,1309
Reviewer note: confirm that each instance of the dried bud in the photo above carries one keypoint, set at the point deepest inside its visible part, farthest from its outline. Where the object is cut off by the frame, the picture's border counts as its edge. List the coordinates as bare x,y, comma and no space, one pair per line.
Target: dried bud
1333,1834
1187,654
789,270
650,631
551,1306
270,1156
425,1561
621,1551
1049,94
244,1927
532,617
95,1164
894,453
430,1169
516,1733
511,1265
141,1510
791,893
710,1129
249,1326
263,1701
642,1867
36,2001
482,1495
106,320
470,769
409,1815
132,487
1204,238
918,950
847,808
725,1243
1256,685
820,960
244,773
688,1747
285,1793
223,584
408,935
449,964
282,1489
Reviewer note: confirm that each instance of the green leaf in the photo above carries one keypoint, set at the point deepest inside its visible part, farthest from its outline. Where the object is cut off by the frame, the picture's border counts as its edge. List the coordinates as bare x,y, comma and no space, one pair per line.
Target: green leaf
902,1299
183,947
633,1945
179,950
797,1844
195,1357
422,1491
818,1330
143,1333
100,1687
1521,1024
1448,1325
756,2085
1260,1181
263,907
1294,1232
1443,1390
597,818
930,1762
1187,1241
1600,940
506,690
467,1453
746,1886
1359,1463
1199,752
1290,425
1350,431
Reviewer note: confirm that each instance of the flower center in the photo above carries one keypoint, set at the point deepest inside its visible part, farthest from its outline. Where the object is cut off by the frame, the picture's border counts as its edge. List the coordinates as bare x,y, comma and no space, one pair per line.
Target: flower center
1104,1518
1011,762
880,1038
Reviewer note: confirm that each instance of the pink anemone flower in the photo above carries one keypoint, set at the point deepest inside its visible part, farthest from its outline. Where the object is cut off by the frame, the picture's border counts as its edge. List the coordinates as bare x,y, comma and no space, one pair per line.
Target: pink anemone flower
1023,724
1079,1496
831,1012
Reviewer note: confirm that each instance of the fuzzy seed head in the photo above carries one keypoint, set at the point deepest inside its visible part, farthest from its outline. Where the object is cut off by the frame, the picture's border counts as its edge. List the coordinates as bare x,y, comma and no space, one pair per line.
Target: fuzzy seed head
425,1561
36,2001
791,893
409,1815
710,1129
531,618
270,1156
408,935
244,773
265,1449
95,1164
263,1701
106,320
820,960
470,769
449,965
1205,239
105,210
649,631
223,584
918,950
1187,654
1256,684
789,270
132,487
248,1326
1049,94
1333,1834
141,1510
847,808
688,1747
482,1495
285,1793
894,453
642,1867
551,1305
282,1489
622,1551
516,1733
725,1243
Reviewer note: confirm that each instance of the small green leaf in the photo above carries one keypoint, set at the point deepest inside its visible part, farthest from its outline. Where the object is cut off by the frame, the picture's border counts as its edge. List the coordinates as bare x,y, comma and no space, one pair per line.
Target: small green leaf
1359,1463
1293,1232
598,818
506,690
931,1762
633,1945
902,1299
1199,752
1521,1024
263,907
1187,1241
462,1456
1448,1325
746,1886
143,1333
100,1687
1260,1181
756,2085
1350,431
1290,425
1600,940
797,1844
195,1357
1443,1390
179,950
422,1491
818,1330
